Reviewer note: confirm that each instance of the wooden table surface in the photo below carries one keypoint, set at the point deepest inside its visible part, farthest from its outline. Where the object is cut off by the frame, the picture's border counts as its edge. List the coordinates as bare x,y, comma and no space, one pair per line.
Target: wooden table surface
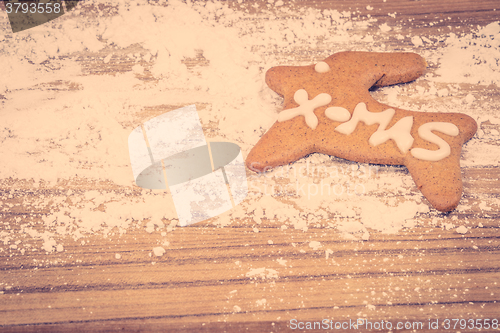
419,274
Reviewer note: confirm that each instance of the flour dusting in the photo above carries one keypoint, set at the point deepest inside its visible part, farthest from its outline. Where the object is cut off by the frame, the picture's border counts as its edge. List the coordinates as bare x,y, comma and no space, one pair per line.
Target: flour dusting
73,89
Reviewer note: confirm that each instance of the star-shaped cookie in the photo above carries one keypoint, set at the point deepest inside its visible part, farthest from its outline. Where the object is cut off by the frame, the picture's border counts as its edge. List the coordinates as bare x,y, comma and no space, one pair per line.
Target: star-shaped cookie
328,109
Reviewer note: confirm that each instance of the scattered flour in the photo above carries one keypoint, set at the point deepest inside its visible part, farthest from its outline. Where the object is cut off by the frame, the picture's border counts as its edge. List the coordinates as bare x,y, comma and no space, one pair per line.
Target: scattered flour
315,245
472,58
65,120
159,251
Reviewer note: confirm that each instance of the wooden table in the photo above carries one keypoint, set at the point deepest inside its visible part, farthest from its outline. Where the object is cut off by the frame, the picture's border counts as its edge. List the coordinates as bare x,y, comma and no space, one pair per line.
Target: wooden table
232,279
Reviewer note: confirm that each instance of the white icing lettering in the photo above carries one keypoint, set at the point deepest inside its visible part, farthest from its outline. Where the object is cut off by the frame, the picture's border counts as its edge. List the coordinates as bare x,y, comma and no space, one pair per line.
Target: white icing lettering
399,132
361,113
425,132
306,107
321,67
337,113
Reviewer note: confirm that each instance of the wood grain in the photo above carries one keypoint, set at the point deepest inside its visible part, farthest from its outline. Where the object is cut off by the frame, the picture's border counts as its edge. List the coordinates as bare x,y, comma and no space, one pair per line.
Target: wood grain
112,281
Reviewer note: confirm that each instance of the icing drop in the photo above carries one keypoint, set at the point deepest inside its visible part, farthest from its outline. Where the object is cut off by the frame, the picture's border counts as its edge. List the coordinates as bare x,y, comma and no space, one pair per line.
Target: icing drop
425,132
337,113
322,67
306,107
399,132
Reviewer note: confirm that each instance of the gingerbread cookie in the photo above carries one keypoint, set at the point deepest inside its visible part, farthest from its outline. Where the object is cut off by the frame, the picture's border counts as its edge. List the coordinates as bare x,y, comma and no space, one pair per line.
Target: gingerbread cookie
328,109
